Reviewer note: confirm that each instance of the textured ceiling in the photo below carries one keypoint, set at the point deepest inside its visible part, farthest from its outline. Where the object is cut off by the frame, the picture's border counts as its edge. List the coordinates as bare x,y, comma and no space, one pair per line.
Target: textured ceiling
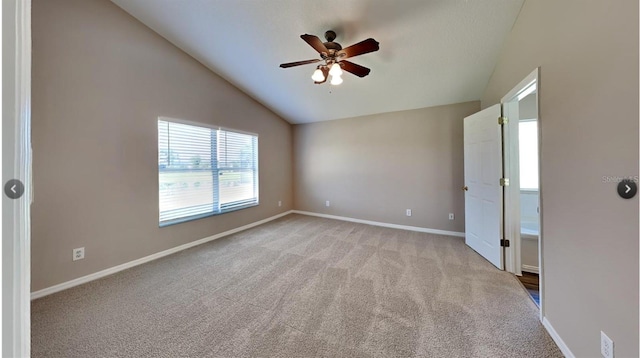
432,52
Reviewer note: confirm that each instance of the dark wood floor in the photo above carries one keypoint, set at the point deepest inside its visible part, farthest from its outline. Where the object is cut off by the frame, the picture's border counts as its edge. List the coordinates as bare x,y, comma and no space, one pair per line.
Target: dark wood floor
531,282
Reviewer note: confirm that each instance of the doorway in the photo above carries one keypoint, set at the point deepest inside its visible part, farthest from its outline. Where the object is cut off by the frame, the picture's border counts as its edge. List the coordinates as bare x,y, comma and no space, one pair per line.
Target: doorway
522,197
502,186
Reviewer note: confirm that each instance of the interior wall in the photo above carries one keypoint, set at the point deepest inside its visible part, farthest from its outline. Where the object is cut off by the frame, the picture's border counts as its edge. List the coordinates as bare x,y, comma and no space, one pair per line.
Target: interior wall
529,257
529,228
528,107
375,167
587,52
100,81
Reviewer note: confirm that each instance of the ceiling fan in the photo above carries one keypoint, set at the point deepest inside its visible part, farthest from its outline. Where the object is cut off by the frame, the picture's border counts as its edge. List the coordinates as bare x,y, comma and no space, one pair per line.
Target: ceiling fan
334,57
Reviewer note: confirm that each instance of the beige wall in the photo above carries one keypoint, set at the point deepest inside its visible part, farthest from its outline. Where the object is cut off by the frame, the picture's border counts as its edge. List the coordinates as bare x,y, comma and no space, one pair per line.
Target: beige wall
587,52
528,107
100,80
375,167
529,250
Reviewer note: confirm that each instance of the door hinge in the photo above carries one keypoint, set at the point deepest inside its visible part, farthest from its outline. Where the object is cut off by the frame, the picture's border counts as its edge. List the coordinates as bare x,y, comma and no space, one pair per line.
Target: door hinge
504,243
504,181
503,120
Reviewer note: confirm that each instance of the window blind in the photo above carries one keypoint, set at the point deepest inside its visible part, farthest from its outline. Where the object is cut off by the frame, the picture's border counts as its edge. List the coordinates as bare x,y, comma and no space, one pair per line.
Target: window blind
204,171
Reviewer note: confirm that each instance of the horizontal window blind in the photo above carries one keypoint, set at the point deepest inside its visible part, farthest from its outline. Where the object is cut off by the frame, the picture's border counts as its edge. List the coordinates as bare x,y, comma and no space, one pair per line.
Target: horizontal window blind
204,171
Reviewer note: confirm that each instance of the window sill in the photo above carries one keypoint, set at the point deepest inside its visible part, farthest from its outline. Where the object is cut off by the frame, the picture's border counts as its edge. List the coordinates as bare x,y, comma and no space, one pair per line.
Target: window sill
529,190
202,216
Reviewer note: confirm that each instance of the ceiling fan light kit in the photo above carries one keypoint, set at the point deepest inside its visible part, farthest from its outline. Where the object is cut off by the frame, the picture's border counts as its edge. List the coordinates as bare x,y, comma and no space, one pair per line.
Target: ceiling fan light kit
334,58
318,76
335,70
336,80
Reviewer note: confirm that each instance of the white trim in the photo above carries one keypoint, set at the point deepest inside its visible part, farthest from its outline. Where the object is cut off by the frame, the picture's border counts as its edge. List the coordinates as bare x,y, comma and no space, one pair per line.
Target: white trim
556,338
377,223
205,125
529,268
535,76
511,203
17,340
522,86
130,264
527,91
540,205
529,190
510,163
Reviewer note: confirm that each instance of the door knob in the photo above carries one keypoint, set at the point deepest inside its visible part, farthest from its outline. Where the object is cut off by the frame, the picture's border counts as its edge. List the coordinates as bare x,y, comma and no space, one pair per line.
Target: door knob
465,188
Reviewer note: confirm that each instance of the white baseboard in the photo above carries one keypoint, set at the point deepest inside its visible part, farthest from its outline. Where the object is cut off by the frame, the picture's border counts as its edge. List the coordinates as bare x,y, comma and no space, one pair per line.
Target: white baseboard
529,268
140,261
377,223
556,338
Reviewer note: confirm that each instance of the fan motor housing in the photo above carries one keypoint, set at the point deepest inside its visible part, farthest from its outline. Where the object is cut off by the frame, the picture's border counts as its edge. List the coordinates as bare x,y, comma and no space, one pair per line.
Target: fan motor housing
333,46
330,45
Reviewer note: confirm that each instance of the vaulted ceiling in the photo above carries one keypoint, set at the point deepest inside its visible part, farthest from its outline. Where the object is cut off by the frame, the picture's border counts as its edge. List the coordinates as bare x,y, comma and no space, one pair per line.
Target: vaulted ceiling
432,52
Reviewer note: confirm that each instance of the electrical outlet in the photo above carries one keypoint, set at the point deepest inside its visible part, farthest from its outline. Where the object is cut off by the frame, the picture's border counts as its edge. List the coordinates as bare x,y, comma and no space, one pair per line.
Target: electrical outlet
606,346
279,202
451,216
78,254
408,212
327,203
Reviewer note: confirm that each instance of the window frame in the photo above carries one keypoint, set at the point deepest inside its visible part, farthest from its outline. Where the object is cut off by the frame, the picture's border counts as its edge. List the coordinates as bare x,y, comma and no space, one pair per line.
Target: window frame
212,127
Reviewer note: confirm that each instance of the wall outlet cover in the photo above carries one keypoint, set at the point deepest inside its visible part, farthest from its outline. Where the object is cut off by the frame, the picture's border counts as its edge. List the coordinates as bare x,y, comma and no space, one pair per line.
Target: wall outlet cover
606,346
451,216
408,212
78,254
327,203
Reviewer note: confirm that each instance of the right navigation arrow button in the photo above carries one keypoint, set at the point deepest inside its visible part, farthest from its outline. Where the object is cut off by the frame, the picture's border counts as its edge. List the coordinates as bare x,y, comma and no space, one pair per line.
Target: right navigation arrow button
627,189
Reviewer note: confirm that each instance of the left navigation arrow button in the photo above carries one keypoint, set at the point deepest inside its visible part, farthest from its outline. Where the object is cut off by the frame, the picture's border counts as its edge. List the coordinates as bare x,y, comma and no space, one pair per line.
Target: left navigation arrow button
14,189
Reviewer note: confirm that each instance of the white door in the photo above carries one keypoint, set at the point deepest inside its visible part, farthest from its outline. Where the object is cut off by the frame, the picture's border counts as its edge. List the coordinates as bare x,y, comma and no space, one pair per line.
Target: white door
483,193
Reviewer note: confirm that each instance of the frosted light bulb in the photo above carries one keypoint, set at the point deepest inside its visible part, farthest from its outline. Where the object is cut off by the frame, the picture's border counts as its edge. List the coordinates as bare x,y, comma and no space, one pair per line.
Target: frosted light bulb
335,70
336,80
318,76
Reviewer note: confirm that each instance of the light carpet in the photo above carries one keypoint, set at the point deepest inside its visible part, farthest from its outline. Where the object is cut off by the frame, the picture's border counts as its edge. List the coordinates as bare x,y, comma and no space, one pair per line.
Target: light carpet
299,286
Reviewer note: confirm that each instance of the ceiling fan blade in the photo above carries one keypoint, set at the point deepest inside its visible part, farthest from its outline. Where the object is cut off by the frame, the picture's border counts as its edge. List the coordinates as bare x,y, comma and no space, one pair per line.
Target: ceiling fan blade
357,70
316,43
362,47
325,73
291,64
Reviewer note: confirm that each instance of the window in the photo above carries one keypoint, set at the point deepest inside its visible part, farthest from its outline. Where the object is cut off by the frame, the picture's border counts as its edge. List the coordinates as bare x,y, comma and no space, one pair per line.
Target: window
204,171
528,137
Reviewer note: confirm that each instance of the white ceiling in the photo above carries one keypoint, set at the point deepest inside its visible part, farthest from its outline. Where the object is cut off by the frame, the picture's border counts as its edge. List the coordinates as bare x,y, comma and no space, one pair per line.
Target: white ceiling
432,52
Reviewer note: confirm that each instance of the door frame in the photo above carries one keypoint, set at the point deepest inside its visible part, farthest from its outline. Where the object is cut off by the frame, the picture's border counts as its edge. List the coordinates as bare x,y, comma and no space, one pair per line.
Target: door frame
16,149
512,193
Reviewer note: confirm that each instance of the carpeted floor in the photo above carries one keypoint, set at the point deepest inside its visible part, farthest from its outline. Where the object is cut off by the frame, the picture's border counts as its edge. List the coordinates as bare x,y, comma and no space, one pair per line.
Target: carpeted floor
299,286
